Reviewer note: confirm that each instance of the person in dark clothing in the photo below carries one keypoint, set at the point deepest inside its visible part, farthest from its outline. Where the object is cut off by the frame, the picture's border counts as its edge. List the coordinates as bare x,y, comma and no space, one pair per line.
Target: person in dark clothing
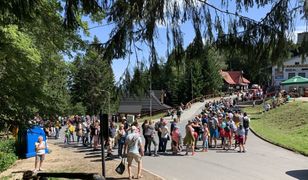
144,126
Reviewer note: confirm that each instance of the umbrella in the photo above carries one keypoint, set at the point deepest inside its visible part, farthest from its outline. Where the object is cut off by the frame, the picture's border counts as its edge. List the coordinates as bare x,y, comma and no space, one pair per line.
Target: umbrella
295,80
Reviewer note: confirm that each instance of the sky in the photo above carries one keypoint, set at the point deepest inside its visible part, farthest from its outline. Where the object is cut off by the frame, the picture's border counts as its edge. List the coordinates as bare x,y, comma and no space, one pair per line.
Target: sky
120,65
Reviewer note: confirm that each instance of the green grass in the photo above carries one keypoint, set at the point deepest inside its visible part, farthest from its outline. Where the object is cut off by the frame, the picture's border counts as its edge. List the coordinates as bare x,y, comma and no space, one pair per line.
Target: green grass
157,116
286,125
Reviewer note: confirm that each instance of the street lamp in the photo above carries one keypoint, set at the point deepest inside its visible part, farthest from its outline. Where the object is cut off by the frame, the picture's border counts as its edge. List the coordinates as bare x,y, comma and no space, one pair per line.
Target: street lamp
108,102
102,136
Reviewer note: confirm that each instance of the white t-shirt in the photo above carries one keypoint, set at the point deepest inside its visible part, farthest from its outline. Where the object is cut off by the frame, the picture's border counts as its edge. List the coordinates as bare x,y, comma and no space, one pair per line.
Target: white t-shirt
41,145
164,132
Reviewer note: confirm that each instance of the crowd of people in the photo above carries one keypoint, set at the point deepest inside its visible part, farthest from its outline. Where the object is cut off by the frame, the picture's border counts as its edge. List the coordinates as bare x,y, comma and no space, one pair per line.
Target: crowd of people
218,125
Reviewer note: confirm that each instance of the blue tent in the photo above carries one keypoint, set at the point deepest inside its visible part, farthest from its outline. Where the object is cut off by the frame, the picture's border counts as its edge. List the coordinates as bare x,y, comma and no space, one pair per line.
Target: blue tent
27,139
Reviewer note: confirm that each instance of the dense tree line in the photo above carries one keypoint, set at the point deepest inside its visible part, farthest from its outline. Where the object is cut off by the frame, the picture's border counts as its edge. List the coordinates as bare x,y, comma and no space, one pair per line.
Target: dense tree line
36,35
196,73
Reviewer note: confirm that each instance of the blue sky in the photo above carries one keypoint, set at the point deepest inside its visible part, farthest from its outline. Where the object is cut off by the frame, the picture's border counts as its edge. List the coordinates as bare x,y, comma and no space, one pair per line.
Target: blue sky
120,65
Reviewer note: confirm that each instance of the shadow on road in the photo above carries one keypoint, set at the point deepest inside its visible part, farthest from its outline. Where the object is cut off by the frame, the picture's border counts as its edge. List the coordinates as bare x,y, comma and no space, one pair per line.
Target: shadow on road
111,178
298,174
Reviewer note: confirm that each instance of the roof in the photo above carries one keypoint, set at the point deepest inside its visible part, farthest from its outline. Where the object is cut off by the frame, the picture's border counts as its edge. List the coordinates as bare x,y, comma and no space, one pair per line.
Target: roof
130,109
139,105
295,80
234,77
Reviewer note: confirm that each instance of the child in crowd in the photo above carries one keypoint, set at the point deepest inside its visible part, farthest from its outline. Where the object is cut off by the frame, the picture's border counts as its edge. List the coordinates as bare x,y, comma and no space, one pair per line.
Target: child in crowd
241,137
176,138
205,138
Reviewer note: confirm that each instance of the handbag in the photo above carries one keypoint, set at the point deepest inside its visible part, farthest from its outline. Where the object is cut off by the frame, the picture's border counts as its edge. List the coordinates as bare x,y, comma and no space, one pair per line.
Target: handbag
121,167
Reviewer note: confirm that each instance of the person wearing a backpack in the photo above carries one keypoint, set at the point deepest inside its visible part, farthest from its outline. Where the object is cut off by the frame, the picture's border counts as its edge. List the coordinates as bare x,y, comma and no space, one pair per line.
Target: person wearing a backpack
246,122
158,125
150,135
213,130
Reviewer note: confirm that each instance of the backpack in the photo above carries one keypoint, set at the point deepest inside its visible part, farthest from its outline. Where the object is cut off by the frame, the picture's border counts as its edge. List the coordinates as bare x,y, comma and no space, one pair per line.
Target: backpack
157,124
227,128
212,123
246,122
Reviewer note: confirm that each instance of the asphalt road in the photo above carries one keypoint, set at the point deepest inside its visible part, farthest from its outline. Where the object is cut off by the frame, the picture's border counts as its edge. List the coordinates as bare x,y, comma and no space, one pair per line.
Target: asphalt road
261,161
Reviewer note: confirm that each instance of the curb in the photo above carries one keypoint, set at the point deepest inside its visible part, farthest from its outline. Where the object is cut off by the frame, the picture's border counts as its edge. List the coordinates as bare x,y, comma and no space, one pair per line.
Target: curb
143,169
277,144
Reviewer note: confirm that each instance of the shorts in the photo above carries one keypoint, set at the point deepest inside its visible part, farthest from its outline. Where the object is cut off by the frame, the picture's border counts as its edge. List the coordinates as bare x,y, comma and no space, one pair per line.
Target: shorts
214,133
228,134
241,139
131,156
40,157
246,132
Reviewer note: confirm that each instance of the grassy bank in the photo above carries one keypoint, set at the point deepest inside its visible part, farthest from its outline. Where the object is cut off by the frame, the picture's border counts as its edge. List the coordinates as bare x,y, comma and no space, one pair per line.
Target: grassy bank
286,125
7,154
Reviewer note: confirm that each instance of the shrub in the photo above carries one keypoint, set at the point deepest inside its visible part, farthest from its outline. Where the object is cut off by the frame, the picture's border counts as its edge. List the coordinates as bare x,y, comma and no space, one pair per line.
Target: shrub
7,146
7,154
6,160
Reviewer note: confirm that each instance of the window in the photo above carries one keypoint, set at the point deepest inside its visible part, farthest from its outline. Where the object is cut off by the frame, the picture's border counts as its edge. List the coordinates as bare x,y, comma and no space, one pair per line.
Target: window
302,74
290,75
296,63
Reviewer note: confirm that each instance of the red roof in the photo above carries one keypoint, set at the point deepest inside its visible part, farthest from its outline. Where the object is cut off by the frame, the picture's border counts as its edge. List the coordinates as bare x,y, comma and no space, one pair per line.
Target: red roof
234,77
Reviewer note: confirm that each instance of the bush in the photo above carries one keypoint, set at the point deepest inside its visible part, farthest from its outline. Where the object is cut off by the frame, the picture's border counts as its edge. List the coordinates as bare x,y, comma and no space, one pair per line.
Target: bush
6,160
7,154
7,146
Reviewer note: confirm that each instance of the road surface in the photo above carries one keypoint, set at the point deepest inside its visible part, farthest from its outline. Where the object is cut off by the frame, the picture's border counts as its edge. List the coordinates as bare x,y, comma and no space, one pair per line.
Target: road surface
261,161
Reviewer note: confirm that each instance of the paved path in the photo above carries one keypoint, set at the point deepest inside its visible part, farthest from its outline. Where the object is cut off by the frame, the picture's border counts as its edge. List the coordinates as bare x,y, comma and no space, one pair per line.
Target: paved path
262,161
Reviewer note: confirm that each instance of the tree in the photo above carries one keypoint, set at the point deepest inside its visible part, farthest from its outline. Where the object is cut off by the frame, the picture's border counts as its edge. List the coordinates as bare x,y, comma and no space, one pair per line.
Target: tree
33,73
91,80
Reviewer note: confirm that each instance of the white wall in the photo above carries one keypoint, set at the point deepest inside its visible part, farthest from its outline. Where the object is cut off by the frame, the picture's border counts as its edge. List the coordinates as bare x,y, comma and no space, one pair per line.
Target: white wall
294,65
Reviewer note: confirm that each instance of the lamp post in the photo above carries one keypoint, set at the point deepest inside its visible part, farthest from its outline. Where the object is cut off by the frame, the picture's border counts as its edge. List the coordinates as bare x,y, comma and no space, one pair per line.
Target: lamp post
108,102
102,136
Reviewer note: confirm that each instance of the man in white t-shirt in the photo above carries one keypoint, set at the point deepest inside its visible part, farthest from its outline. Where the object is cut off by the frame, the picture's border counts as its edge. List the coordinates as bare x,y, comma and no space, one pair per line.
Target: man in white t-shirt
40,147
134,149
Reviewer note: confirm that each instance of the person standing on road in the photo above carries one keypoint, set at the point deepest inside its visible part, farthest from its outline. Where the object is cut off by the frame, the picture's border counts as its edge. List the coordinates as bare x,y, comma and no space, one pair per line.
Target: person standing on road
79,132
158,126
246,122
189,139
112,133
57,128
213,126
150,135
121,136
134,151
96,135
40,147
144,127
206,134
241,137
164,135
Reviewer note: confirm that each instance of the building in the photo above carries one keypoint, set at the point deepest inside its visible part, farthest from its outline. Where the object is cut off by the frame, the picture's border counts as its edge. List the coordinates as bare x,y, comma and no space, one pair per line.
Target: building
234,79
301,37
144,105
292,67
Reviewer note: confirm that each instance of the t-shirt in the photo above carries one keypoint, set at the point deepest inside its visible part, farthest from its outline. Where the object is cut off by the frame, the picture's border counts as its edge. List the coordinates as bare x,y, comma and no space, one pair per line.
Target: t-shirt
40,145
164,132
241,132
112,132
133,142
204,120
213,123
